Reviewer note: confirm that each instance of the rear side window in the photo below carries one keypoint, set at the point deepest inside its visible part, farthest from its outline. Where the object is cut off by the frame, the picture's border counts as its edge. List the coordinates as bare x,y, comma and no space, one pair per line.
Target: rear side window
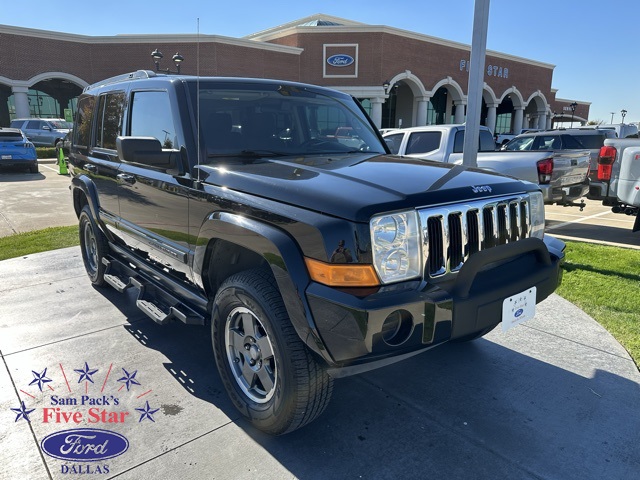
520,143
593,142
33,125
486,142
84,118
151,117
569,142
17,123
10,137
422,142
110,114
394,142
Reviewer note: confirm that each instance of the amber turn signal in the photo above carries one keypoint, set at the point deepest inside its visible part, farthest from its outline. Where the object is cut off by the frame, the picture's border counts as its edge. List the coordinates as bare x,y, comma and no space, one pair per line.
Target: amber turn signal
341,275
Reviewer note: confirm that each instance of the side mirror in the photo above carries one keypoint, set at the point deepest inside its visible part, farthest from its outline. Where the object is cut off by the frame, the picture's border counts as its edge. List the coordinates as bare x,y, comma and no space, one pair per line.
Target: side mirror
46,127
146,151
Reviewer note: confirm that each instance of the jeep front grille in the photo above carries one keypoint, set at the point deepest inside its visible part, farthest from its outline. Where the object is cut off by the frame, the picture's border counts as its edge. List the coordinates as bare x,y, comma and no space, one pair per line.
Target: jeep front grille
451,233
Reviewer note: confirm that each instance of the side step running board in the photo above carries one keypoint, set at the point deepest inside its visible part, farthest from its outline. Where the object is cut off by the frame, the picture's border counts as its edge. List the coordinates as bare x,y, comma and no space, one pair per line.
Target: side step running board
158,304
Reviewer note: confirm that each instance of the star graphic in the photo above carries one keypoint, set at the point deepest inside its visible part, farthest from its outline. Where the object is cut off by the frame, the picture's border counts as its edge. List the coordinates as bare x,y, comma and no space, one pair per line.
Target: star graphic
129,379
85,374
40,378
146,412
22,412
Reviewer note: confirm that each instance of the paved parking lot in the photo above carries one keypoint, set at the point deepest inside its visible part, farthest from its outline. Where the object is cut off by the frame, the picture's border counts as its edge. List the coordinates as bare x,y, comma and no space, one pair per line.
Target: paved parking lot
555,398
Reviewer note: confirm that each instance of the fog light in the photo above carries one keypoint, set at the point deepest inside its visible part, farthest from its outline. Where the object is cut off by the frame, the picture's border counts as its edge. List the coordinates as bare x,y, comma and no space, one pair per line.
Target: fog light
397,328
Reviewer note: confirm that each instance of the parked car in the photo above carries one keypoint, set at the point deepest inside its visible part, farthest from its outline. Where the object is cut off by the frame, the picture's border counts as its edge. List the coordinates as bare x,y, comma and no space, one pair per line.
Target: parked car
623,130
43,132
308,259
566,139
562,176
617,182
504,138
16,150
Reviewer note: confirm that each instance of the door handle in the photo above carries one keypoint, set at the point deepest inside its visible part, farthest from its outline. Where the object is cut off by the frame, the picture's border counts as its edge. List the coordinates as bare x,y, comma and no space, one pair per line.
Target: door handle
89,167
125,177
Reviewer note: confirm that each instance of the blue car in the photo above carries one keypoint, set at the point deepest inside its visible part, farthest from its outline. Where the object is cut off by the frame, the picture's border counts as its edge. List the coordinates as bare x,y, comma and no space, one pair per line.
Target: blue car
16,150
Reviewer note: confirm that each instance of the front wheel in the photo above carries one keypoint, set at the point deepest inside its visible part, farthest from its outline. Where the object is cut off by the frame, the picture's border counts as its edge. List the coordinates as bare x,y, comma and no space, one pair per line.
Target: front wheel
268,372
94,247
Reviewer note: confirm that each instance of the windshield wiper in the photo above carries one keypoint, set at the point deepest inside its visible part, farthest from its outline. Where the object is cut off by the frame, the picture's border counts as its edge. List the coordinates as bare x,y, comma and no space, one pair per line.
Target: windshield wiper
249,154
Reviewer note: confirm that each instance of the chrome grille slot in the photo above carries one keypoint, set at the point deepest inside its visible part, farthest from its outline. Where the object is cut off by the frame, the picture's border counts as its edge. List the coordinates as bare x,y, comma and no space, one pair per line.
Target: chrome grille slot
450,234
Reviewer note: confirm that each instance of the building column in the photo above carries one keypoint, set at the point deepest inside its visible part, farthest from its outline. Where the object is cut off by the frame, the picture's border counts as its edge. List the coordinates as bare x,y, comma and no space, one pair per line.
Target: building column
459,112
421,111
549,123
517,119
376,110
21,101
542,121
491,118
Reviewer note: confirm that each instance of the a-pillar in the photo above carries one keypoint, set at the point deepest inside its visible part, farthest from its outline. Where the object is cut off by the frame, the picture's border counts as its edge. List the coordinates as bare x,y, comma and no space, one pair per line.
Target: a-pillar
21,101
491,117
542,120
517,119
421,111
376,110
459,112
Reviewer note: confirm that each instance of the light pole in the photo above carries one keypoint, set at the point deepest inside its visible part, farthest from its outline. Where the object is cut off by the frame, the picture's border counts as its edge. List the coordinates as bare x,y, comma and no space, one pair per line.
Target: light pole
573,111
612,114
623,112
157,56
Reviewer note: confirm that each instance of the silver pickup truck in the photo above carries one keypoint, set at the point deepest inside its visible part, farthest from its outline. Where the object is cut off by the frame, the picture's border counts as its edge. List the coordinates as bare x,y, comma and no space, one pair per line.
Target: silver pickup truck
617,182
561,175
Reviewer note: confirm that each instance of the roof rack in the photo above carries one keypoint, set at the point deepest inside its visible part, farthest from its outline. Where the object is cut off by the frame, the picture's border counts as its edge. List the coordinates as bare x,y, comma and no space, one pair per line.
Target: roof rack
122,78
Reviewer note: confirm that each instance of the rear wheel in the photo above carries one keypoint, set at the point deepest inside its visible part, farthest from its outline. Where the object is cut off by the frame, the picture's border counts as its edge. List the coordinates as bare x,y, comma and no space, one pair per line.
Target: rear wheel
33,168
94,247
270,375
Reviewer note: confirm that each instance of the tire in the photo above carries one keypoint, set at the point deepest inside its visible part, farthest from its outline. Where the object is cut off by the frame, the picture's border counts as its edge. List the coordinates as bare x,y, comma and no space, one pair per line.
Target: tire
474,336
33,168
94,247
268,372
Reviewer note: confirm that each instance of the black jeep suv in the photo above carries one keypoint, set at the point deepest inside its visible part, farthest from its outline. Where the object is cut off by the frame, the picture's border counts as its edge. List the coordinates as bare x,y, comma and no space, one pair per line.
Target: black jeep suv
273,212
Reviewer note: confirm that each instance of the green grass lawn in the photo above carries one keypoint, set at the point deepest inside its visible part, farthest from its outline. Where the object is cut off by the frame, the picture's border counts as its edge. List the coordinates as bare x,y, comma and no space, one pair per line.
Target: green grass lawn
603,281
38,241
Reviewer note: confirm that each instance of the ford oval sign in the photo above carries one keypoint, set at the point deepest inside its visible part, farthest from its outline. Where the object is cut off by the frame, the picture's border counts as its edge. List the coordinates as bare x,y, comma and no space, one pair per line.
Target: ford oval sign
340,60
84,444
518,312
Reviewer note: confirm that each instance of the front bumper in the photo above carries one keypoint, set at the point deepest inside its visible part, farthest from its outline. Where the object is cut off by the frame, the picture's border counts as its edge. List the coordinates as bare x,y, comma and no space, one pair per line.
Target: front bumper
351,324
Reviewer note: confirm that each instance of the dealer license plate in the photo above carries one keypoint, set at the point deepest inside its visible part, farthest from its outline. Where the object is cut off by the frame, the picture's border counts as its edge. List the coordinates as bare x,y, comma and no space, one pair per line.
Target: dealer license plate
518,308
6,157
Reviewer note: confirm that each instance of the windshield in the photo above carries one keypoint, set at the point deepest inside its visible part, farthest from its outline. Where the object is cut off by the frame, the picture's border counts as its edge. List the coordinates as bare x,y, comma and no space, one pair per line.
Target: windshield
61,124
267,119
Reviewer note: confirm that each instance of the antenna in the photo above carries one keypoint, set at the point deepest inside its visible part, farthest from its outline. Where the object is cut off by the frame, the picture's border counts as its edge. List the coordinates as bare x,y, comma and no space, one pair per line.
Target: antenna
198,94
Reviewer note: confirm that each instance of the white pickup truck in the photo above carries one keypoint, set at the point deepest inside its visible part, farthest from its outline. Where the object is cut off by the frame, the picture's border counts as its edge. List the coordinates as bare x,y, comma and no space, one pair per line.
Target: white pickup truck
561,175
618,178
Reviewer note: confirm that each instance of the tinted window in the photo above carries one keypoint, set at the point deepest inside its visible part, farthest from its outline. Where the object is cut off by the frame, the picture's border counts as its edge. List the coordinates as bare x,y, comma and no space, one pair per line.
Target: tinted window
17,123
394,142
110,113
151,117
486,142
33,125
549,142
421,142
591,141
569,142
84,118
10,137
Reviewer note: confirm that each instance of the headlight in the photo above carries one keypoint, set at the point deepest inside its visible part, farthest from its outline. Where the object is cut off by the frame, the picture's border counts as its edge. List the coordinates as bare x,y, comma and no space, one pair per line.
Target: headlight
395,242
536,204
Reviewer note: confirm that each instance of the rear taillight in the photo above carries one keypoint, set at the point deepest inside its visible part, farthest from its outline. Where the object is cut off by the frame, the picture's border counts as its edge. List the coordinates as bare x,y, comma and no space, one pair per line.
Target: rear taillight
605,162
545,170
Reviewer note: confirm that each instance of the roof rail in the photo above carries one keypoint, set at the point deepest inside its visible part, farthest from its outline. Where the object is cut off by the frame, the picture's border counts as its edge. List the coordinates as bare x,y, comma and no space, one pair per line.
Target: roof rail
122,78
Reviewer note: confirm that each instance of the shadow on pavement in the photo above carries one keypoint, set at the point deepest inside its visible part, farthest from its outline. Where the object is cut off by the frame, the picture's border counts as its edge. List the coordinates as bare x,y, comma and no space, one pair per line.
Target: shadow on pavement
8,174
597,233
477,407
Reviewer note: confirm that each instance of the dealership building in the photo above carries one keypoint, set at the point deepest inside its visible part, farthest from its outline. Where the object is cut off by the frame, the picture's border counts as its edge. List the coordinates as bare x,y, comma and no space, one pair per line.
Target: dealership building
402,78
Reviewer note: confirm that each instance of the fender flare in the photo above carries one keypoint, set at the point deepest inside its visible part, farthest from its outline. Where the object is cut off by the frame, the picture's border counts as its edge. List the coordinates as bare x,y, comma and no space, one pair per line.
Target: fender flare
282,254
89,189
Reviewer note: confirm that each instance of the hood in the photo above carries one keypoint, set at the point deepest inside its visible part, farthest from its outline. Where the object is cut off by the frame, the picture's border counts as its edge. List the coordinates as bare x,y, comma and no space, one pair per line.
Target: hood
356,187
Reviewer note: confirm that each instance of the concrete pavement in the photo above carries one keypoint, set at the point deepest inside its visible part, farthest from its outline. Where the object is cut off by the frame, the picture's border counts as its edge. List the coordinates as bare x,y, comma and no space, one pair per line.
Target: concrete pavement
555,398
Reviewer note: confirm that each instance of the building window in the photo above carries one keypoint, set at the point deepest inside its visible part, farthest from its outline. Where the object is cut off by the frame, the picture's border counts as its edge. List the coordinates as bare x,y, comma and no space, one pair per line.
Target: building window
366,104
503,123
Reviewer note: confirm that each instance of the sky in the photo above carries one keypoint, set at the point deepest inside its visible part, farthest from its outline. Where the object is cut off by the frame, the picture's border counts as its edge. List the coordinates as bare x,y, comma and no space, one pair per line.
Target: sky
594,45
